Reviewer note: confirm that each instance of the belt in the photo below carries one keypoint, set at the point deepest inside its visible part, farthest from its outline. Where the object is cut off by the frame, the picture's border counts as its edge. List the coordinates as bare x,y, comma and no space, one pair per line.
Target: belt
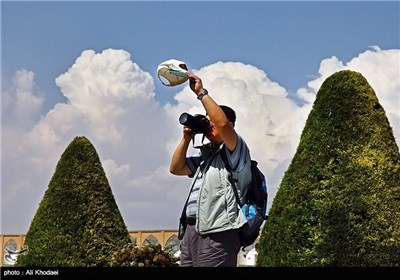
191,221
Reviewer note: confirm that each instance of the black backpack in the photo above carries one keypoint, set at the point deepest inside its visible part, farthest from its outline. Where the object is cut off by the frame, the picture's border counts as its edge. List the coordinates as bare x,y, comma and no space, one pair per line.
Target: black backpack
255,203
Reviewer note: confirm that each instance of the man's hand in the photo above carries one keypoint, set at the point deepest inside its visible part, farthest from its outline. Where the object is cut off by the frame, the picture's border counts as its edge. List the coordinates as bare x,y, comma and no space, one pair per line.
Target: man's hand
187,133
195,82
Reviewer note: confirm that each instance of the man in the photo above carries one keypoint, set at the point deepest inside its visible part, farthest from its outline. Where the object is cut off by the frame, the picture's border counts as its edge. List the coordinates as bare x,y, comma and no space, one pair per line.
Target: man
211,215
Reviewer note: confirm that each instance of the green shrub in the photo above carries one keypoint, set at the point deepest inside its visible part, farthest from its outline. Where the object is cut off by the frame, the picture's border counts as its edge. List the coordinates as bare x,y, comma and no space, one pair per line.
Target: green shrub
147,256
78,222
339,201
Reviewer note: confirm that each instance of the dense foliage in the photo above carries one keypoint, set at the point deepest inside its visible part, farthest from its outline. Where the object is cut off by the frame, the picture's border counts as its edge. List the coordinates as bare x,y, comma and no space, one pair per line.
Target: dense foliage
147,256
339,201
78,222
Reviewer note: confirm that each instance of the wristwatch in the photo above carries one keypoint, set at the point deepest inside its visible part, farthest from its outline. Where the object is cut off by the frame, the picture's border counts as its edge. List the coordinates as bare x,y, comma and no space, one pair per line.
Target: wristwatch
203,92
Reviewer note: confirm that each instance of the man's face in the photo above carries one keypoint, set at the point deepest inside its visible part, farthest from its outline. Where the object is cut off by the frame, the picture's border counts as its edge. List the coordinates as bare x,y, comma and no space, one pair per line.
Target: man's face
213,134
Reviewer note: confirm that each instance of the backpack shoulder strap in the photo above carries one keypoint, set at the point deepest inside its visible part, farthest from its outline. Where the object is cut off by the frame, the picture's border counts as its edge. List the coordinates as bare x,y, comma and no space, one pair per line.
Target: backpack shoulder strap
230,175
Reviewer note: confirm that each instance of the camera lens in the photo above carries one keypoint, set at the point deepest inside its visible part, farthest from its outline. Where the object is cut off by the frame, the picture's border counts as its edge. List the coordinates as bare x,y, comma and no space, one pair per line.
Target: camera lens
197,123
184,118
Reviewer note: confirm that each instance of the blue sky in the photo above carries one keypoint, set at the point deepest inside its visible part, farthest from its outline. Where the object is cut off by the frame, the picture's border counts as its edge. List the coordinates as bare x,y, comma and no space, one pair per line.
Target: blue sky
286,39
53,53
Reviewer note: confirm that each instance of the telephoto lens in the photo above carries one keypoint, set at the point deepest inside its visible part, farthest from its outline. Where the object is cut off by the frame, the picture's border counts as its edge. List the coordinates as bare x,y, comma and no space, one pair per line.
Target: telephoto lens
197,123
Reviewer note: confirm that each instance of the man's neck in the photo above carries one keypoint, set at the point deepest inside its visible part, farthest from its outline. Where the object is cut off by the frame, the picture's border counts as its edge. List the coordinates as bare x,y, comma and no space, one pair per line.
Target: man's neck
216,145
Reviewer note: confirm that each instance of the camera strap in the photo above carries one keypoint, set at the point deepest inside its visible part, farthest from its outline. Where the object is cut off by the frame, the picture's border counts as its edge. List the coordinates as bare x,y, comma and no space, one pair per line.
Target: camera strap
202,139
202,142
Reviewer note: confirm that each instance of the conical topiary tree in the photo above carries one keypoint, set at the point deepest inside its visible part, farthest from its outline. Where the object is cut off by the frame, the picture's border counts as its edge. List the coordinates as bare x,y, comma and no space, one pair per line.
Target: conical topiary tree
78,222
339,201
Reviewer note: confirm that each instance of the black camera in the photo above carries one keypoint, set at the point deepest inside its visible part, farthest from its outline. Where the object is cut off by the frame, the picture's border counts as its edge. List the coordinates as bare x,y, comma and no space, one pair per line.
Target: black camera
197,123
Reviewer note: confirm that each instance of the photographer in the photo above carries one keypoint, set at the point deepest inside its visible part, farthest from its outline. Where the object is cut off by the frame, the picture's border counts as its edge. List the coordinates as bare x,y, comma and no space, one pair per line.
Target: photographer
211,217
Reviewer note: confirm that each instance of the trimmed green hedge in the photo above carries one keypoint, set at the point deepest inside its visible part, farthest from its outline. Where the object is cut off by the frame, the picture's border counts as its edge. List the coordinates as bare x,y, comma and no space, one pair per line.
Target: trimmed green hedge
339,201
78,222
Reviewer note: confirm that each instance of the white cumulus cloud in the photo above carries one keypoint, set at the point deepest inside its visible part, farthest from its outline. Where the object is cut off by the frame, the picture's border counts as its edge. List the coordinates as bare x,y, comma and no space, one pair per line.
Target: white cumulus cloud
111,101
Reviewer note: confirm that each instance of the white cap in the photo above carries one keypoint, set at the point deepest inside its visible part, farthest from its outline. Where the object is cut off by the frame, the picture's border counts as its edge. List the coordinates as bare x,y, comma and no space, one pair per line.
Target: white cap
172,72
